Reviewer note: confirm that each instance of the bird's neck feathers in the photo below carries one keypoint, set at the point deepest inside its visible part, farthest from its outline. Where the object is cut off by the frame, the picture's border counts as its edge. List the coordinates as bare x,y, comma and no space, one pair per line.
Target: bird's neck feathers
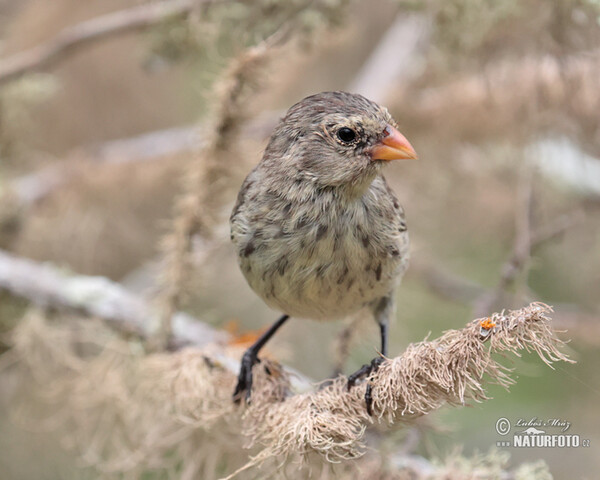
358,186
302,187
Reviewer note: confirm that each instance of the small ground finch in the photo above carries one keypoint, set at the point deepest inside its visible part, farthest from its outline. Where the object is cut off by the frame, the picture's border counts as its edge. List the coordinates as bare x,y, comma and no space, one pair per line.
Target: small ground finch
318,232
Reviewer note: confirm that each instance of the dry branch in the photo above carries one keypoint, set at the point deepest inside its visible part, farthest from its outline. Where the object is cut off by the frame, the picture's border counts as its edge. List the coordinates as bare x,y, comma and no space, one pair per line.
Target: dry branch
428,375
74,37
155,411
48,287
209,177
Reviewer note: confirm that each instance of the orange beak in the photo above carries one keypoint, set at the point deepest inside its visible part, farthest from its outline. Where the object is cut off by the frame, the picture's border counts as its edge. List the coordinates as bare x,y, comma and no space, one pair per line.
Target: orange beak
394,146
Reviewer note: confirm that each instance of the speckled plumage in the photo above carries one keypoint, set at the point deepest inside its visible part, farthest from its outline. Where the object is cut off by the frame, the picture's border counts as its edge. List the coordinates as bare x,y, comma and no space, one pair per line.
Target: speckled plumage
318,232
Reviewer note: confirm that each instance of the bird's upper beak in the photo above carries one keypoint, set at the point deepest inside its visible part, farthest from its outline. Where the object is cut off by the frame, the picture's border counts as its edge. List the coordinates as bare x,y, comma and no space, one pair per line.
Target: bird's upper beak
394,146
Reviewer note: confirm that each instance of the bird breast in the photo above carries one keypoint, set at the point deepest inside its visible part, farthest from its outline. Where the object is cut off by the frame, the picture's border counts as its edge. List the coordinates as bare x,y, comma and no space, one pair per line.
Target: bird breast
325,257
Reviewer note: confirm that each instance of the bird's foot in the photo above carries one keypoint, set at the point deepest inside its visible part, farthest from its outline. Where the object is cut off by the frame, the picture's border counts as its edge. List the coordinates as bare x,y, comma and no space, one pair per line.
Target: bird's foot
364,372
244,383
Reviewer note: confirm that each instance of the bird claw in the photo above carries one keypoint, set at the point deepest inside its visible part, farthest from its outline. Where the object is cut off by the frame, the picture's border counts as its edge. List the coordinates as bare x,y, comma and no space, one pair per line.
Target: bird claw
244,383
364,372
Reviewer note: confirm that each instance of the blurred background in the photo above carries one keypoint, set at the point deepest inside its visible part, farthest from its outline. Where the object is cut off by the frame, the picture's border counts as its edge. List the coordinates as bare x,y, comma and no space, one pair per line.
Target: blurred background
106,106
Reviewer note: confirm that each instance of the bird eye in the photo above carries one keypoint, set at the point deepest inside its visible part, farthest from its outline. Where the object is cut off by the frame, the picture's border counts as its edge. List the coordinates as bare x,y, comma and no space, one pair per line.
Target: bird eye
346,135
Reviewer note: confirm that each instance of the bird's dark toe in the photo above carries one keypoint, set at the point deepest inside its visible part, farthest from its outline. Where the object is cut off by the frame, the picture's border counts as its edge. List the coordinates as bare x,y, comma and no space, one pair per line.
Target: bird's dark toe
369,399
364,372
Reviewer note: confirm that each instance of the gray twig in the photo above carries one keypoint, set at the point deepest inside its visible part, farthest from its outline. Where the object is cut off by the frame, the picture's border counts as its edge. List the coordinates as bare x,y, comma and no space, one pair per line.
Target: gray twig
49,287
76,36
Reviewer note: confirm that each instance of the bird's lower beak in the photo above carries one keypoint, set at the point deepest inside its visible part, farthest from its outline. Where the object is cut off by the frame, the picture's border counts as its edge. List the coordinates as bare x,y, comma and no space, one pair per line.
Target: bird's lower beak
394,146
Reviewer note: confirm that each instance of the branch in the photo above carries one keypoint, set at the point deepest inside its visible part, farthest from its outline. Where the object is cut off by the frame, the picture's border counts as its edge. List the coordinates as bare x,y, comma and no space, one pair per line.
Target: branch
428,375
430,104
30,189
208,180
74,37
48,287
397,54
160,406
446,284
453,287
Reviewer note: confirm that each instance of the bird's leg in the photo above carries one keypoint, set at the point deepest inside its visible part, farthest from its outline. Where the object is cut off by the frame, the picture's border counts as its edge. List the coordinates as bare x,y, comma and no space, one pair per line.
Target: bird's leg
250,358
382,311
383,330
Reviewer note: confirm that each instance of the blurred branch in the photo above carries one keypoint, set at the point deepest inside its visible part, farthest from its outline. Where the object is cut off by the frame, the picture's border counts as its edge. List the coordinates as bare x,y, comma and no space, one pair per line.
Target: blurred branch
511,85
74,37
455,288
527,241
344,341
208,181
522,246
397,54
446,284
48,287
148,146
36,186
458,289
563,85
404,41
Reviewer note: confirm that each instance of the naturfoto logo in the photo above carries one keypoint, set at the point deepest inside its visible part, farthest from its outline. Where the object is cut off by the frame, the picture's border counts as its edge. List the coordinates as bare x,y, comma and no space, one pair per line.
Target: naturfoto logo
538,433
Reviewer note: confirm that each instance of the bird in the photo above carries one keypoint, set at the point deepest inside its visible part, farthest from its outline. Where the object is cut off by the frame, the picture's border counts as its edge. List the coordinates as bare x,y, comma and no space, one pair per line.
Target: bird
318,232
